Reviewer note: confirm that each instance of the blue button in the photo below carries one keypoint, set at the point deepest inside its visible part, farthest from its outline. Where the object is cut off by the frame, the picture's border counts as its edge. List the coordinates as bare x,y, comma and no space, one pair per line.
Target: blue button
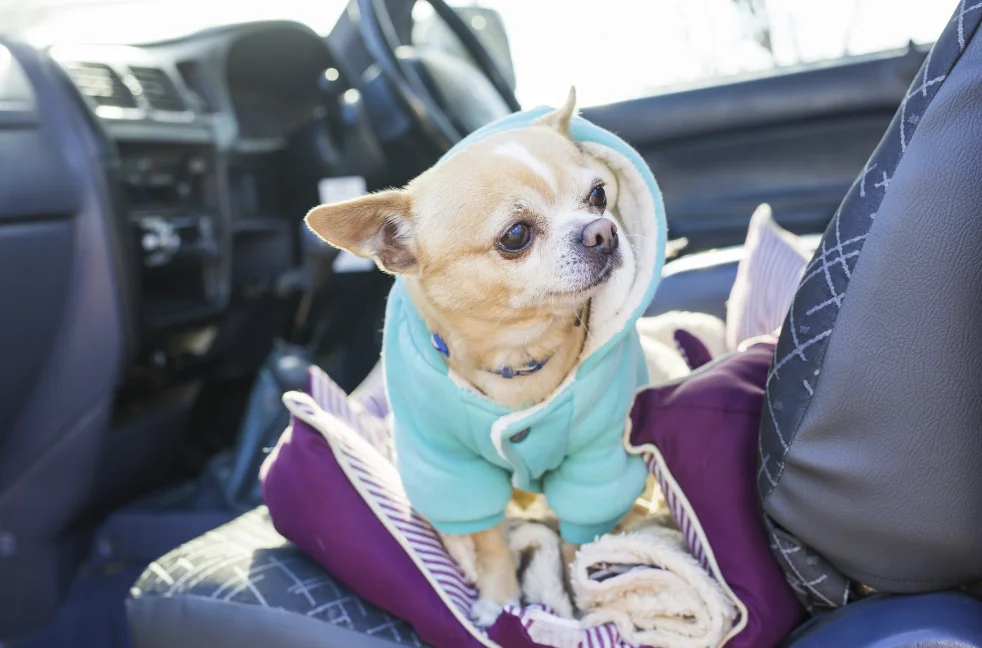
439,344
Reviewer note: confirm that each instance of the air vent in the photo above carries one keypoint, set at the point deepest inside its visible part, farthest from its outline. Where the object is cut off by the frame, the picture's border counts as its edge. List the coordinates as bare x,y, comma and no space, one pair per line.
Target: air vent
101,84
158,89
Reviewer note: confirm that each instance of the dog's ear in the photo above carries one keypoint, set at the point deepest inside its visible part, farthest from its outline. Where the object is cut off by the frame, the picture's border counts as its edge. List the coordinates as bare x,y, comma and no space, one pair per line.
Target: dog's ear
377,226
559,118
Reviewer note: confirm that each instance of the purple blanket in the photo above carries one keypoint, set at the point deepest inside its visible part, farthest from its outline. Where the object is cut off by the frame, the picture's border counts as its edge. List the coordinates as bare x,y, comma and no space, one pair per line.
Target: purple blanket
332,489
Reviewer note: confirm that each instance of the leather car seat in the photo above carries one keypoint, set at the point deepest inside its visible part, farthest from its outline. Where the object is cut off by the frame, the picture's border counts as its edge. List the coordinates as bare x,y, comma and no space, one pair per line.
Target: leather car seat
871,447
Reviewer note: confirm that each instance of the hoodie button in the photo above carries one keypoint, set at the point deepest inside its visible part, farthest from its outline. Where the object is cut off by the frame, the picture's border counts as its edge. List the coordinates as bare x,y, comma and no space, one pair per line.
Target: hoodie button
519,436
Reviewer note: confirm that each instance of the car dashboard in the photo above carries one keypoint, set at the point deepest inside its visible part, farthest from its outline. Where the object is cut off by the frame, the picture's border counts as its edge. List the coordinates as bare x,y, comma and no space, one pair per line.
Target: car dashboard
215,143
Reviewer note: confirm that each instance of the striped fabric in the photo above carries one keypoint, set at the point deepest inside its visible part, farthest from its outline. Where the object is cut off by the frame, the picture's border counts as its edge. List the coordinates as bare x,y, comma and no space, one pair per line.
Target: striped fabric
677,506
370,394
363,448
380,482
533,616
766,280
366,413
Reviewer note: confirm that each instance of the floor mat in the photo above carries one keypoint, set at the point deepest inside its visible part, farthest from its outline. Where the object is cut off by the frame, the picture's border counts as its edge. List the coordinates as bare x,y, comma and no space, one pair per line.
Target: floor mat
92,616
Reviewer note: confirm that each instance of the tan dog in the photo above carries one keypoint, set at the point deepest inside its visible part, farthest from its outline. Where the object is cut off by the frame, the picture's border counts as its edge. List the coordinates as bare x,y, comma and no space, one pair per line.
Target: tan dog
502,246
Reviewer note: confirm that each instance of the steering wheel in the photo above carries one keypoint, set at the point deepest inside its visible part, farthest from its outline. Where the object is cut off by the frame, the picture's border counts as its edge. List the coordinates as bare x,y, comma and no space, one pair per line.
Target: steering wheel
382,41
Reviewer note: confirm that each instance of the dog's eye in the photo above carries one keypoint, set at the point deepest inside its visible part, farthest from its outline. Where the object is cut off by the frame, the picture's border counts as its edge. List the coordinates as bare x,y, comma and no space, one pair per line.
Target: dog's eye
598,197
516,238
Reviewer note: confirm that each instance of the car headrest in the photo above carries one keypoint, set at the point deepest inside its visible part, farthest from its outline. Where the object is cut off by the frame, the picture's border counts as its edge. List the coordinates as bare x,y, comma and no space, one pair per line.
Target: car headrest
871,438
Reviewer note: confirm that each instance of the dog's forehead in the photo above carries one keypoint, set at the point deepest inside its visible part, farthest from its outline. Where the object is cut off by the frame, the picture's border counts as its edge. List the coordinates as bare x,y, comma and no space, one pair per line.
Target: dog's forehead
540,153
535,158
481,187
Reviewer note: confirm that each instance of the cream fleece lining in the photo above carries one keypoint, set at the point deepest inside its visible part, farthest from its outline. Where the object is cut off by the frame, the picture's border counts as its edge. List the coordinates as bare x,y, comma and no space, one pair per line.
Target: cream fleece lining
621,297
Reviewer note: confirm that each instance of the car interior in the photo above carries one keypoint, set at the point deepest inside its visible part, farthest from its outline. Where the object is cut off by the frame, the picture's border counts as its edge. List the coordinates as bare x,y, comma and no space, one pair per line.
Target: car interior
161,292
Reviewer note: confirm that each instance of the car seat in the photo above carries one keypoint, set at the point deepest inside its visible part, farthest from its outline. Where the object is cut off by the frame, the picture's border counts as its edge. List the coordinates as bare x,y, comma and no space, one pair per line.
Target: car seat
870,445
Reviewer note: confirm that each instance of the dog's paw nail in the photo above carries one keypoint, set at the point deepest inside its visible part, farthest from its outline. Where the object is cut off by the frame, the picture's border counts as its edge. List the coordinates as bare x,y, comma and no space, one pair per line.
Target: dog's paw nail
485,612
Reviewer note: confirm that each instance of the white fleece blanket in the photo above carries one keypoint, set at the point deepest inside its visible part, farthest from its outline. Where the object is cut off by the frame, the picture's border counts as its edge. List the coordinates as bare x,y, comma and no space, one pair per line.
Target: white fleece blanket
646,583
643,580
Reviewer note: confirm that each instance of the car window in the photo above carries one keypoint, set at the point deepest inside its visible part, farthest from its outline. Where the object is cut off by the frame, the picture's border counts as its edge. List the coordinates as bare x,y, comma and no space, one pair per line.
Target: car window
614,50
141,21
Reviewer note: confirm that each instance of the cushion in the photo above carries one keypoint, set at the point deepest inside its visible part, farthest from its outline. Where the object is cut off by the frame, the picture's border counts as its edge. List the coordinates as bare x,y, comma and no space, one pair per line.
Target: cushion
332,489
766,279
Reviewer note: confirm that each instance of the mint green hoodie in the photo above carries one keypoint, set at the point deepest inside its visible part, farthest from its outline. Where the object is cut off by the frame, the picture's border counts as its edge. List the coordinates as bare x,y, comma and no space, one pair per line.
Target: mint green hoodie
459,453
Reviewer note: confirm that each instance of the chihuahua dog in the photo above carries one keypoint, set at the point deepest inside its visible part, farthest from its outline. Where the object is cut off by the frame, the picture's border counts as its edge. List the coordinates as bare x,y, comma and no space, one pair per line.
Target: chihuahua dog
502,246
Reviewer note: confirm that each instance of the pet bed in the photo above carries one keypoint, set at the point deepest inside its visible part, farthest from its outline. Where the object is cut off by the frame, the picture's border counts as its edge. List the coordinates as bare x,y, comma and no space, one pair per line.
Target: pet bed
332,490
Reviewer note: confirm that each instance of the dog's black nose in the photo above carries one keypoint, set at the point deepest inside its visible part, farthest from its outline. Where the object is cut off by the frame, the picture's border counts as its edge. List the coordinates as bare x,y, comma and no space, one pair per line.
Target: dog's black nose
600,234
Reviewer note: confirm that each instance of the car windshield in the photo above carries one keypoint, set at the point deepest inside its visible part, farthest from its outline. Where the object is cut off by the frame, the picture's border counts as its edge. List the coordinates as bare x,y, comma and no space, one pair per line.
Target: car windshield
612,51
144,21
623,49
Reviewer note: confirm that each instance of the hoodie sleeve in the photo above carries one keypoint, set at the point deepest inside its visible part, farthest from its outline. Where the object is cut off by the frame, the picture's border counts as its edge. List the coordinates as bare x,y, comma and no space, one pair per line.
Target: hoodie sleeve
451,486
595,487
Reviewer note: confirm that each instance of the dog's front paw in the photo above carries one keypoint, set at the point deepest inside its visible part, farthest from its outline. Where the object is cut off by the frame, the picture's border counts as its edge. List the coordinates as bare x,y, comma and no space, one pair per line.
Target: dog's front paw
485,611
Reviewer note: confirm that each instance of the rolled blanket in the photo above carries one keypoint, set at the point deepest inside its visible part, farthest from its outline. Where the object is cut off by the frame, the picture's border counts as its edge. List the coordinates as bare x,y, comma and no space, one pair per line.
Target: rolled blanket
643,580
656,593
